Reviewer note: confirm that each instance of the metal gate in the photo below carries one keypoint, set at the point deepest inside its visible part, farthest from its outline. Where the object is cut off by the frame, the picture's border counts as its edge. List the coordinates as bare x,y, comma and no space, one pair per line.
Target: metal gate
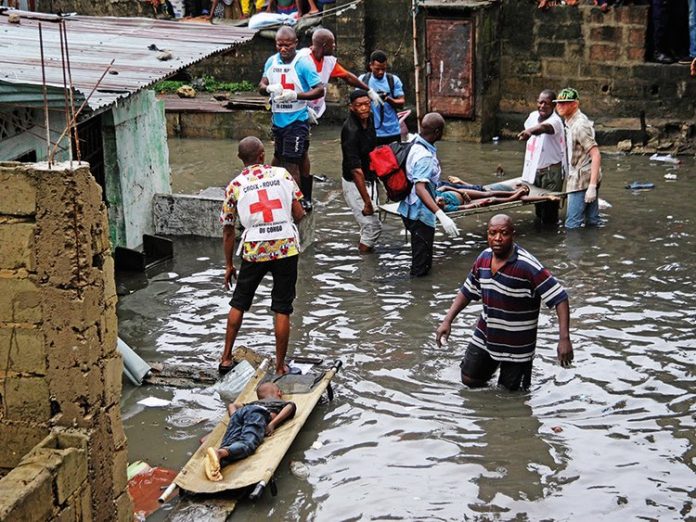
450,82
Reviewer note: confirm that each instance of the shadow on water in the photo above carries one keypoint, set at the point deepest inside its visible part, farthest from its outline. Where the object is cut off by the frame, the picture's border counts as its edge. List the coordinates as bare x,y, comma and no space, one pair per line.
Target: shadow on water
403,440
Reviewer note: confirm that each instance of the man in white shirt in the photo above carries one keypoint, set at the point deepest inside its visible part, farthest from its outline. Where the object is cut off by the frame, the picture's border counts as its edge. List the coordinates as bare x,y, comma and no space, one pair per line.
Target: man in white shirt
544,159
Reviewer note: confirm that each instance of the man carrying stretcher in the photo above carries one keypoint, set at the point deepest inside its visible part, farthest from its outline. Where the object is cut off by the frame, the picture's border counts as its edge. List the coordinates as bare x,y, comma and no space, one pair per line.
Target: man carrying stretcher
249,425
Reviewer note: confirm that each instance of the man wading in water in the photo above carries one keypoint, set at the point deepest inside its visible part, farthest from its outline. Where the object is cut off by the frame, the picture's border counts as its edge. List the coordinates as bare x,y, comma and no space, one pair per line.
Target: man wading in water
511,284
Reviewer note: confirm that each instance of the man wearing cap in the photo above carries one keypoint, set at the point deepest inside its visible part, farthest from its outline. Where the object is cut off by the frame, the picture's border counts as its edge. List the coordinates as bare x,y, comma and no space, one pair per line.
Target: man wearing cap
359,183
545,153
584,162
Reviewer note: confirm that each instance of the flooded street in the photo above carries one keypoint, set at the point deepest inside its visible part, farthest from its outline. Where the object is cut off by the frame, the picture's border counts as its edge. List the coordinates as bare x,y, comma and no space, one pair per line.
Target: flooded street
610,438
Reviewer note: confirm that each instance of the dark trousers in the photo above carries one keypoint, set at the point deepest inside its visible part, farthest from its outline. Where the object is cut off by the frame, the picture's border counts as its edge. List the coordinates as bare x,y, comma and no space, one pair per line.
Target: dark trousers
245,432
422,239
551,179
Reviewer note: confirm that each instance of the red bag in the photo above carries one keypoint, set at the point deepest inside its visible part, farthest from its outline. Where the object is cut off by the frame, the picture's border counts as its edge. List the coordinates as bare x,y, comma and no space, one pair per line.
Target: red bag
388,162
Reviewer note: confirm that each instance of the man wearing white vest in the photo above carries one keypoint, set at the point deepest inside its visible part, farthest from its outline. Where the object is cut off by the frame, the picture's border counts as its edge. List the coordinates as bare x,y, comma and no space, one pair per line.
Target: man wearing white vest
321,54
267,201
291,81
544,158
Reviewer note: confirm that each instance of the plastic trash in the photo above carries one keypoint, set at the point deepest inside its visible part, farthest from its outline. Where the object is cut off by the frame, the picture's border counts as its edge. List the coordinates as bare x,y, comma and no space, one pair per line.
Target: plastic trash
665,158
638,185
670,176
230,386
134,368
299,469
154,402
604,204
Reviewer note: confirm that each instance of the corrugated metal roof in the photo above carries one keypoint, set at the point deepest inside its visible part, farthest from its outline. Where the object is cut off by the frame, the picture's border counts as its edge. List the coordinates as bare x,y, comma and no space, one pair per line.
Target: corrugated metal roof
94,41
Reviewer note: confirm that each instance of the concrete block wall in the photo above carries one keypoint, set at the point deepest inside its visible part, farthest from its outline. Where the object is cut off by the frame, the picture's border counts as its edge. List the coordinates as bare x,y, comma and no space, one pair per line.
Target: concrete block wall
59,364
600,54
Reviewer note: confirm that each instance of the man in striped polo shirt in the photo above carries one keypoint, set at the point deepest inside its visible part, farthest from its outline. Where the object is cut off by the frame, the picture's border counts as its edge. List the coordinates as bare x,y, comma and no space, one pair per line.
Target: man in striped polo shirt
511,284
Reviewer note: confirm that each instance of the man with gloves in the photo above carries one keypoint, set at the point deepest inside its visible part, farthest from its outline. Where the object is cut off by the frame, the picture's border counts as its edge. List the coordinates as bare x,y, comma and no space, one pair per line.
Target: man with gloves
418,210
584,162
291,81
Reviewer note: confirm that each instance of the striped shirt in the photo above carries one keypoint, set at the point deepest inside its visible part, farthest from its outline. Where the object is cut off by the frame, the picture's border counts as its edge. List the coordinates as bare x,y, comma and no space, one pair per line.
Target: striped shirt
507,327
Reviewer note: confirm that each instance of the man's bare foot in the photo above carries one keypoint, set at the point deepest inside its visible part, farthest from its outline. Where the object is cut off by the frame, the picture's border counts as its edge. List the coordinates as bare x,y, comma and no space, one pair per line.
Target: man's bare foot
212,465
455,180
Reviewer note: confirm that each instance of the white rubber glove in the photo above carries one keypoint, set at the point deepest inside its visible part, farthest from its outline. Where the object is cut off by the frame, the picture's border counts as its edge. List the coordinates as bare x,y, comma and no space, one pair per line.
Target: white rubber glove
288,95
376,98
313,119
447,223
590,194
274,88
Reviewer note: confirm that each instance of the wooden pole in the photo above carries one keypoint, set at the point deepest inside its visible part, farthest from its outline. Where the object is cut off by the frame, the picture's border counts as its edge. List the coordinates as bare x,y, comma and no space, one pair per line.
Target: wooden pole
416,62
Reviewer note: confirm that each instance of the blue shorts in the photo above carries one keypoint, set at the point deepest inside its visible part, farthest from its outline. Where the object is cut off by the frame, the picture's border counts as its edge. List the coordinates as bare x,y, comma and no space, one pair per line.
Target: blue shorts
291,142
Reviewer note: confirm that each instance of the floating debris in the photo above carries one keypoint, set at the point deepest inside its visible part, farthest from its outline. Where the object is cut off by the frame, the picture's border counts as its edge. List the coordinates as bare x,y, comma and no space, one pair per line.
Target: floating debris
670,176
665,158
299,469
638,185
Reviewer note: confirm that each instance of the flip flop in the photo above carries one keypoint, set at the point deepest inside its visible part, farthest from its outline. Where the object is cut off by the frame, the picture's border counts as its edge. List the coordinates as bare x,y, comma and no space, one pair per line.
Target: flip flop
212,465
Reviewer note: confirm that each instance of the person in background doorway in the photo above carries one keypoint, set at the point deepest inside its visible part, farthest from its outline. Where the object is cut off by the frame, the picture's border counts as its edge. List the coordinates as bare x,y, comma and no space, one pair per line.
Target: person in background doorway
391,90
359,182
584,162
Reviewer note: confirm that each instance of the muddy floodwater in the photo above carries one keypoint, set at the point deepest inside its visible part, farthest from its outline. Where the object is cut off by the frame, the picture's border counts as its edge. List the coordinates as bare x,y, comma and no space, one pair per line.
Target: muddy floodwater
611,438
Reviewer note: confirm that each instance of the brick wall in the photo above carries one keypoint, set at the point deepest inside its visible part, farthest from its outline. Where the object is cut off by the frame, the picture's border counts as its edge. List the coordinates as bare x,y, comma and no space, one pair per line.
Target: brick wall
58,361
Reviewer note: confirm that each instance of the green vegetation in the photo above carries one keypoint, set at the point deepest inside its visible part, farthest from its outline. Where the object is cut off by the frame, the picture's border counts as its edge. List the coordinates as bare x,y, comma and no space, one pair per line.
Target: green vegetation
205,84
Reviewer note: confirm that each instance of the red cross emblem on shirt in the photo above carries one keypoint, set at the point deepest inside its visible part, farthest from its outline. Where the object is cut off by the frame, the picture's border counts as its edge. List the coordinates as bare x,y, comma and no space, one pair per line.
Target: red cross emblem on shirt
531,145
266,206
285,85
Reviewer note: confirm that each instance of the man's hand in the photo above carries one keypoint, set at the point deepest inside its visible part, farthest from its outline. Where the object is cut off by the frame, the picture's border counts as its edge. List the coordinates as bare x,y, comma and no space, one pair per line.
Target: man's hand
443,332
590,194
269,429
313,119
565,352
375,97
524,135
288,95
447,223
230,272
274,88
368,209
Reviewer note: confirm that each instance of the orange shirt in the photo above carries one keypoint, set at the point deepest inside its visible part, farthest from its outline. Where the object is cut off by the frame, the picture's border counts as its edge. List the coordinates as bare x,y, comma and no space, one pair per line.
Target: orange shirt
338,70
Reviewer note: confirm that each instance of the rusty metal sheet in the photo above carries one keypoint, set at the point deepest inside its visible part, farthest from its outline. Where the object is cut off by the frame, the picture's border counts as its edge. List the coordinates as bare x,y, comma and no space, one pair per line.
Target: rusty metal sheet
95,41
450,82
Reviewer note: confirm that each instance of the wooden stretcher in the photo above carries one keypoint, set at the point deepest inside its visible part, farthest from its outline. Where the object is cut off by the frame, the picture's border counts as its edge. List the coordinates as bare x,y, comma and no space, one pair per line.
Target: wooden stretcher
392,208
257,470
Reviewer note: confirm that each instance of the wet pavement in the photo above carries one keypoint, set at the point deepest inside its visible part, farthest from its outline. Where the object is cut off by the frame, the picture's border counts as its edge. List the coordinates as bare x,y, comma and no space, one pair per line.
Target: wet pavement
612,437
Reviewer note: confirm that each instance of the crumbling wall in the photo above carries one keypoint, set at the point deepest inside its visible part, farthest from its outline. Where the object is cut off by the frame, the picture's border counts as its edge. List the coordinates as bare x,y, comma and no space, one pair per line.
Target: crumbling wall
58,361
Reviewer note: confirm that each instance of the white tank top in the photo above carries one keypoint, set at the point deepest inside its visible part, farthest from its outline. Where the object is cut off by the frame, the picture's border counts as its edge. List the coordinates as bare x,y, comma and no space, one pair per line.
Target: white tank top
328,64
285,74
265,206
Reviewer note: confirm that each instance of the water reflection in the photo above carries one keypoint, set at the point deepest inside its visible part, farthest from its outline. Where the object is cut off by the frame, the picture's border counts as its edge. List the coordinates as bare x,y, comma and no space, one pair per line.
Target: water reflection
403,440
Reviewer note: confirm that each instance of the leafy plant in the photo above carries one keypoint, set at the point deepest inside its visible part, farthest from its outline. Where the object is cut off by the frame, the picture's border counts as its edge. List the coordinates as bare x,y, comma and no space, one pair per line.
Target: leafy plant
206,84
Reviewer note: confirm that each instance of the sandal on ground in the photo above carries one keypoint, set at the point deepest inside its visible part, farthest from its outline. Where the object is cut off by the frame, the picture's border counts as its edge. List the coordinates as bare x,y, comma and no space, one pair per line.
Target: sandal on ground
212,465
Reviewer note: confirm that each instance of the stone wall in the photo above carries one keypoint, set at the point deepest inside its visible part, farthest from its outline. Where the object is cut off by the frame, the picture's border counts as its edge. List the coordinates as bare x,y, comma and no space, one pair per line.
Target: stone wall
89,8
59,365
600,54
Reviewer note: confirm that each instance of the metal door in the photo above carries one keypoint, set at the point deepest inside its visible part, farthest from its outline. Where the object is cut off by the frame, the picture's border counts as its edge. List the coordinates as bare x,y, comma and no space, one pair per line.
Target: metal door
450,82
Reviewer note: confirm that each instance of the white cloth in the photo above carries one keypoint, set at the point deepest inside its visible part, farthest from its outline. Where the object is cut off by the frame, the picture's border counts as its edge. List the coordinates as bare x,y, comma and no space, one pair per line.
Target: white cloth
261,20
370,226
545,149
265,206
285,75
327,67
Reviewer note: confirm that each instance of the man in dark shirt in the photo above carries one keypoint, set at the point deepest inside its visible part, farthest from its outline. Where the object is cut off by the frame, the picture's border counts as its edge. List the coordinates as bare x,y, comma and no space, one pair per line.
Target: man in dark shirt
358,138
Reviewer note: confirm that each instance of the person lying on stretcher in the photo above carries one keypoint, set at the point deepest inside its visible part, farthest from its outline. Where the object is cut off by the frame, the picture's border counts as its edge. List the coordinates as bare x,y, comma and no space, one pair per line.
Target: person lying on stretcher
458,195
249,425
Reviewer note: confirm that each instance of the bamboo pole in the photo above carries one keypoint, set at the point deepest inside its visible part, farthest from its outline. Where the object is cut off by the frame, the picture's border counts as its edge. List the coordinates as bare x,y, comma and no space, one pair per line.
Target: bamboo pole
416,61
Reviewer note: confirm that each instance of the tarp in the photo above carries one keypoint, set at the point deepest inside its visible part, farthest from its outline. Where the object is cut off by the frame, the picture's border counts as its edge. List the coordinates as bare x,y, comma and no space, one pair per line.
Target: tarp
261,465
392,208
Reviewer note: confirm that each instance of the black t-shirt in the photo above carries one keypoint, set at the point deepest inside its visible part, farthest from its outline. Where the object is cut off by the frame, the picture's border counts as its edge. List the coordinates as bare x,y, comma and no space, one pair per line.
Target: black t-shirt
273,406
356,145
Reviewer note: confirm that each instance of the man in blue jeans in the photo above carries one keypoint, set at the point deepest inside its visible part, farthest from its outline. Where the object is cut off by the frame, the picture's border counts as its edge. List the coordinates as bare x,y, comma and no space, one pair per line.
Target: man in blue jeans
249,425
584,162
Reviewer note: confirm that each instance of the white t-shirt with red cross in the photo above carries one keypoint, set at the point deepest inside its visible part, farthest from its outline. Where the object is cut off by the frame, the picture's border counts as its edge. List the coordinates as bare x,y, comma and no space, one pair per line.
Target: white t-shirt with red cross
545,149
